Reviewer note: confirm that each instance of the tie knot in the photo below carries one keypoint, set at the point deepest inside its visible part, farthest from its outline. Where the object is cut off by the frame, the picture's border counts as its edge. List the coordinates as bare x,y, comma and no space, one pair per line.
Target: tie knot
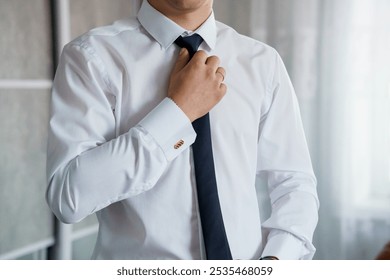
191,43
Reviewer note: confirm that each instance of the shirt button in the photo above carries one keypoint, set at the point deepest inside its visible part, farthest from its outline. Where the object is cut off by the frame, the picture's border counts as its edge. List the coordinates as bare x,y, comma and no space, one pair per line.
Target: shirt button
178,144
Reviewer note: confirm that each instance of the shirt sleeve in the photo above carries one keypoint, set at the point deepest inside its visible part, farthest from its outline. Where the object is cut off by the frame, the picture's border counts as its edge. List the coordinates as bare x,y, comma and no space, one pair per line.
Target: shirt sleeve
90,167
284,160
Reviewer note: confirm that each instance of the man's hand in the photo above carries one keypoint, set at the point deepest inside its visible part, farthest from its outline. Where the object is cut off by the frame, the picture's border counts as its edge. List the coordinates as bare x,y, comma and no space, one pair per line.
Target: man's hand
196,85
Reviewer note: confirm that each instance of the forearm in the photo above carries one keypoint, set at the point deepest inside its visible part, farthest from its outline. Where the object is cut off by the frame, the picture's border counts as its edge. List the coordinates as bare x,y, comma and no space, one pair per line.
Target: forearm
83,180
123,167
294,216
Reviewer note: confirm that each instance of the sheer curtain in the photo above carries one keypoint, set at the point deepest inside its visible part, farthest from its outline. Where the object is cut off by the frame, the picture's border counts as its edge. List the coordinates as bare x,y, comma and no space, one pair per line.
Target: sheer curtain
338,56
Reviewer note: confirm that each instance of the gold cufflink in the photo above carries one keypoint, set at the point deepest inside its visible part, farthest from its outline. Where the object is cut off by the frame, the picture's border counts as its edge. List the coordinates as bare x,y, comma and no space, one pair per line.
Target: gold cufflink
178,144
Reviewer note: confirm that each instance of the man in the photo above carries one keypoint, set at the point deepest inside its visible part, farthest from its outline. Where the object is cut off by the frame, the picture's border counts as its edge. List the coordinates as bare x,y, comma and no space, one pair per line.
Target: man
121,139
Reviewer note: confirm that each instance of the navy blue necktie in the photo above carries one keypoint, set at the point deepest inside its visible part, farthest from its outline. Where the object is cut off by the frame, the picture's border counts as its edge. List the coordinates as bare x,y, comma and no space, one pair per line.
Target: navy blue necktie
214,235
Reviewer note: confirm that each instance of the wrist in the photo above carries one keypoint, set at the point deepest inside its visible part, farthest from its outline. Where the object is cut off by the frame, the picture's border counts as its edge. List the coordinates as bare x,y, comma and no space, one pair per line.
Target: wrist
182,107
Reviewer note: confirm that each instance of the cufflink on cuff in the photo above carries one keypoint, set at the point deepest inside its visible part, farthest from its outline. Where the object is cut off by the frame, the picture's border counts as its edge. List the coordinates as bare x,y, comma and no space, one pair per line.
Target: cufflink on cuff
179,144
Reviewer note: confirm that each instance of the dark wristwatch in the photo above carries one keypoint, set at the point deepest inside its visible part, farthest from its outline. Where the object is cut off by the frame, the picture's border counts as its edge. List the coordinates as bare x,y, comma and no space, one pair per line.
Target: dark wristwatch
269,258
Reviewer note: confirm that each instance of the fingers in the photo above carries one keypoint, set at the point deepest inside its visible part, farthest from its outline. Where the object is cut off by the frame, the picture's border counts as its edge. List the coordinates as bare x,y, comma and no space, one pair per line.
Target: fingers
213,62
221,73
182,60
223,88
201,58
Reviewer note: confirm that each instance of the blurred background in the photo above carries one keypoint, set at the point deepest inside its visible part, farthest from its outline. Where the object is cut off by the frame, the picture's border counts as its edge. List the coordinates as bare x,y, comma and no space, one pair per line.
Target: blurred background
337,53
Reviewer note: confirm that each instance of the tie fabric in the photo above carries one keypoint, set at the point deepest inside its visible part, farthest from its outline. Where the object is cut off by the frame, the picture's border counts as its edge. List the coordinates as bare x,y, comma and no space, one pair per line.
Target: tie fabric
214,235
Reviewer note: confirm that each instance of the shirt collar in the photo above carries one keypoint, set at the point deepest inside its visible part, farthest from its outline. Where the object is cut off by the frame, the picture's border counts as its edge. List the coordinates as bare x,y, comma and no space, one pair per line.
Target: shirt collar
166,31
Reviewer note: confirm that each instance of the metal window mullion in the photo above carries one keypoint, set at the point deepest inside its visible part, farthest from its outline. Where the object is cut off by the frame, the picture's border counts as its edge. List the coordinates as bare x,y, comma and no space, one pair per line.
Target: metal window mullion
25,84
29,249
62,249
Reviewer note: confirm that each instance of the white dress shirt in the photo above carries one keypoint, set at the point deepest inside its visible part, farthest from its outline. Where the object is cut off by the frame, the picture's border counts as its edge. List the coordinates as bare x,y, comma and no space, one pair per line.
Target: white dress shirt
113,132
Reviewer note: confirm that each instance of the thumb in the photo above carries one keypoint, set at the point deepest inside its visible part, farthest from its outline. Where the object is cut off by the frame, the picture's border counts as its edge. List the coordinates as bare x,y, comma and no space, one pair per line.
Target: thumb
182,60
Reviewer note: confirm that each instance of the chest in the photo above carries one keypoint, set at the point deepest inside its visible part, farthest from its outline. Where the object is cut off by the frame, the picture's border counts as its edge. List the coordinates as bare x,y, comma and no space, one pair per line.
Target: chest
144,83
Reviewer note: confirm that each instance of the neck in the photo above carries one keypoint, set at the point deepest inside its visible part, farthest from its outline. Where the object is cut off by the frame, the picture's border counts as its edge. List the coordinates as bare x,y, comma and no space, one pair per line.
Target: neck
190,18
188,22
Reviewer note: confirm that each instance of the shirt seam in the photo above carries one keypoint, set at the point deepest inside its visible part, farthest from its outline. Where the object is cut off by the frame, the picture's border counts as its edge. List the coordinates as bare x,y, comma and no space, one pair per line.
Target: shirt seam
94,32
82,43
102,69
269,92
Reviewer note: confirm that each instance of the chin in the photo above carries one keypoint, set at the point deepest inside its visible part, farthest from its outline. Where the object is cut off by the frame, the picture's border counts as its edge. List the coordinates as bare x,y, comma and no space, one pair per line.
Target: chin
189,4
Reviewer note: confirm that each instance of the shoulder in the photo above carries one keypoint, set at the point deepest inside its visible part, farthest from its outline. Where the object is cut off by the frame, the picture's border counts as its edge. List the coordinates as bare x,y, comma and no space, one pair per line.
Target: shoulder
107,34
246,50
228,35
129,24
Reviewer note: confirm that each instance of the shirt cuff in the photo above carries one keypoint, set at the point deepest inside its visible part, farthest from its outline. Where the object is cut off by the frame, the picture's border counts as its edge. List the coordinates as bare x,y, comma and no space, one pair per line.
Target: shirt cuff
170,128
284,246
